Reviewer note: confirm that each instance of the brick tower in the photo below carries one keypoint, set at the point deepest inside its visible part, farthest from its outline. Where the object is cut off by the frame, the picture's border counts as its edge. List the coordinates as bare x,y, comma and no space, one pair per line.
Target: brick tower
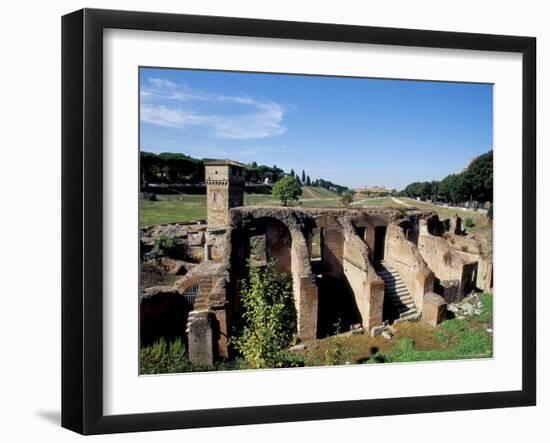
224,189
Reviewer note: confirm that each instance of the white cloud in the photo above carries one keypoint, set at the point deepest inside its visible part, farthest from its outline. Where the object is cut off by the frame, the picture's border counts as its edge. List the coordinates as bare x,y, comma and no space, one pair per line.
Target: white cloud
167,104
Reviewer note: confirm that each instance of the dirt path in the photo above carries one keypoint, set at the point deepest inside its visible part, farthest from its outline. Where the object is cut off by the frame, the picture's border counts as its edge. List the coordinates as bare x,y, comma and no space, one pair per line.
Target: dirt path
400,202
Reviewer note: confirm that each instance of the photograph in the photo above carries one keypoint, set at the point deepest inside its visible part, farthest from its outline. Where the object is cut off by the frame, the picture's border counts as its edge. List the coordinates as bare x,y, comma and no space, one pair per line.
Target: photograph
298,220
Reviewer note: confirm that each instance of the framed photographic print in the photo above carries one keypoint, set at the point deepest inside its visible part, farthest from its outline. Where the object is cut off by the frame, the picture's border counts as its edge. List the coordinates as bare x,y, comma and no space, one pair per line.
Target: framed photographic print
269,221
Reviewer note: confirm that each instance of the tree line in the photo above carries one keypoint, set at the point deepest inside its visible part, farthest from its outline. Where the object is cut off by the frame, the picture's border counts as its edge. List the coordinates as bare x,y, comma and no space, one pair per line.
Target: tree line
474,183
175,168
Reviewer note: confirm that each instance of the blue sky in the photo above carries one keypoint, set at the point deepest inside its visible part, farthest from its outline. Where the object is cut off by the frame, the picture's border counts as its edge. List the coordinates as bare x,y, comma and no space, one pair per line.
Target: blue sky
351,131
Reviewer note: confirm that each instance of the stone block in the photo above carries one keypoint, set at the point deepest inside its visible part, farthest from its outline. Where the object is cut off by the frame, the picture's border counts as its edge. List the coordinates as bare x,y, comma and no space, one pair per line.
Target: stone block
434,309
201,339
377,330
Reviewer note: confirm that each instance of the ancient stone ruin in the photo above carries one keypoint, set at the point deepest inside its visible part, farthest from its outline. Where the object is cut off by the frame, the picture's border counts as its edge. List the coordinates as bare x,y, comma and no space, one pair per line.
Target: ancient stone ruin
361,267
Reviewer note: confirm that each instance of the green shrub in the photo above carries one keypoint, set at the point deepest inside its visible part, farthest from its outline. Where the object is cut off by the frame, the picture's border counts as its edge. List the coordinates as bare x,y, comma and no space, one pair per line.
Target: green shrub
335,353
287,190
150,196
164,357
269,318
469,223
170,247
490,212
346,198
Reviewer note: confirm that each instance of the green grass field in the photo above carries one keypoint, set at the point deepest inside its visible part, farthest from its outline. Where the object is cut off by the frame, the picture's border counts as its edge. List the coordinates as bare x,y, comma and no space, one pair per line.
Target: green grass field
172,208
376,201
312,192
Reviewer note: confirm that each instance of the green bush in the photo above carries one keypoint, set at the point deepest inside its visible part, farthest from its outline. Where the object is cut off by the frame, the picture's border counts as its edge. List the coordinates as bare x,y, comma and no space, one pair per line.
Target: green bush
346,198
164,357
269,318
469,223
170,247
490,212
335,353
150,196
287,190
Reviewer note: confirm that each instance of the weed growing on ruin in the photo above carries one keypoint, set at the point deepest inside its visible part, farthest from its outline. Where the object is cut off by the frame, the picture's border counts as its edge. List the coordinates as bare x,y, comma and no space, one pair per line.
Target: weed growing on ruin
269,316
335,355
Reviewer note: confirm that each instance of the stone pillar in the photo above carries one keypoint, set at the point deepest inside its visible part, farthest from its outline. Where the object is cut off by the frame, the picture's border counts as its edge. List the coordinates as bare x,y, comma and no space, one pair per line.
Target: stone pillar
207,252
308,309
375,296
333,251
455,225
201,339
306,296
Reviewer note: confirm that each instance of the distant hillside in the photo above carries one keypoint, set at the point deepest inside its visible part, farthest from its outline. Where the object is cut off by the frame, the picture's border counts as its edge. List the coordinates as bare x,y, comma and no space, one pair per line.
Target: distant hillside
316,192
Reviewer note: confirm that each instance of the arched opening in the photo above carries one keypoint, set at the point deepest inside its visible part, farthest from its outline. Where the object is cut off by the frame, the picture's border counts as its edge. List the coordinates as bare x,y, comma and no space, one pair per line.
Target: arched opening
337,307
163,315
264,236
268,239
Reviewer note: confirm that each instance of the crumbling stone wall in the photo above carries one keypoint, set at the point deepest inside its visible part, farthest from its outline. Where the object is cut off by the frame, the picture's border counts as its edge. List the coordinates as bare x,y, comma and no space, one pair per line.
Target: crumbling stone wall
485,274
452,268
348,238
285,239
367,286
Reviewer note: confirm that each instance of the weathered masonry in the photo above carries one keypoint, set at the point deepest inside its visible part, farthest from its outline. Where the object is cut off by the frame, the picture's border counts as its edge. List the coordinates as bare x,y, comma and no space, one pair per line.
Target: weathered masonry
348,266
225,190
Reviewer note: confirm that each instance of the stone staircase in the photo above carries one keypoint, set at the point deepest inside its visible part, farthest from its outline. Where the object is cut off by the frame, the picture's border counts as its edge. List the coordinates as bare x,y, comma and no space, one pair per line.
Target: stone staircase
201,302
396,292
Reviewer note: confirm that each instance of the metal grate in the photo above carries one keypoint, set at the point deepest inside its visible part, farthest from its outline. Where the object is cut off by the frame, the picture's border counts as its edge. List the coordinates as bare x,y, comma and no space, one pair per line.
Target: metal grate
190,294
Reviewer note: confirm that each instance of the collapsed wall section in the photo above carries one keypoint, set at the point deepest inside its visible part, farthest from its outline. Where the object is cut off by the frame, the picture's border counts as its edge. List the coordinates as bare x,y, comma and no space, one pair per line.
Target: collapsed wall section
455,273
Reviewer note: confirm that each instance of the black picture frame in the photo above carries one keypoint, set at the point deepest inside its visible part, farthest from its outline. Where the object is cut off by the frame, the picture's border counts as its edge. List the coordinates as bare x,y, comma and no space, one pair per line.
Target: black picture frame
82,219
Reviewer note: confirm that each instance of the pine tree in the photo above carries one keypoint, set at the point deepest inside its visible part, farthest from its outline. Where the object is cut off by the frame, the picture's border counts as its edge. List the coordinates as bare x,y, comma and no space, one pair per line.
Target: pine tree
303,176
308,181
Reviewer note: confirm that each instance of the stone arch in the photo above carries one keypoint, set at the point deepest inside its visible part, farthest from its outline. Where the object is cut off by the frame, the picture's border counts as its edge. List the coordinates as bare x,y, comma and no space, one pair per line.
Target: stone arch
288,244
163,314
190,281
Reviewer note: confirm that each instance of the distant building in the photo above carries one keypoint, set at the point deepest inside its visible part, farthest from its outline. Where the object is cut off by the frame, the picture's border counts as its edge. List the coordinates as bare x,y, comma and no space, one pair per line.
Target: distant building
373,190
